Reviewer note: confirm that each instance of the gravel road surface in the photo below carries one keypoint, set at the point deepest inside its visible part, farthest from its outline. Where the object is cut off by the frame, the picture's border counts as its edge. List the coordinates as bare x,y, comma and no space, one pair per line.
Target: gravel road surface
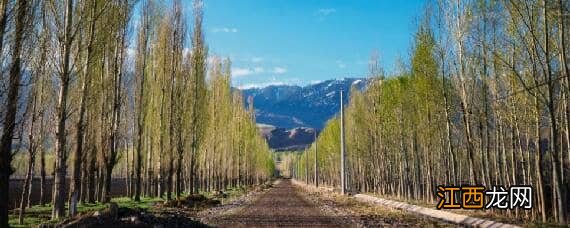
282,205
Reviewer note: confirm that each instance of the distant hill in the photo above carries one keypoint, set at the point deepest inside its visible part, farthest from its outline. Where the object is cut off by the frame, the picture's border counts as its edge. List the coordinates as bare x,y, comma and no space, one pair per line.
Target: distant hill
282,139
287,115
287,106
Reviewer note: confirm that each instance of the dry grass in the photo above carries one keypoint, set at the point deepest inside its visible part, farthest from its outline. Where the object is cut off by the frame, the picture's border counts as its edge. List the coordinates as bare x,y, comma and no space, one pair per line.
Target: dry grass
367,215
494,215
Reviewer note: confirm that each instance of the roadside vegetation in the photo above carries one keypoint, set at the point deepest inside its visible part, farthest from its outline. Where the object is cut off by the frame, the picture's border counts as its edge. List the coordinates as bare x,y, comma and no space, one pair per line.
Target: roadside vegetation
103,90
40,214
483,99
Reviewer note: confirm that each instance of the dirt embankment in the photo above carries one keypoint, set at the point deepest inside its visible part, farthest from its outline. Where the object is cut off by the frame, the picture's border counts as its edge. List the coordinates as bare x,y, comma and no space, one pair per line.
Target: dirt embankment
188,211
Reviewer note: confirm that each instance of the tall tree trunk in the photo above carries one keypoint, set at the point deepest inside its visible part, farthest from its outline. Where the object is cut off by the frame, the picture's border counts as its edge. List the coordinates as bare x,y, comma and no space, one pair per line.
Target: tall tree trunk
60,152
92,172
141,118
11,105
171,133
559,188
116,113
32,153
43,57
149,168
198,74
162,133
42,176
450,148
86,84
566,73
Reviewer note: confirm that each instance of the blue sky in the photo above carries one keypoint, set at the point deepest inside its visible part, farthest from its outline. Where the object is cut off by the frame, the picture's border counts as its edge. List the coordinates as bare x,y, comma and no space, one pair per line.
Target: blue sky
305,41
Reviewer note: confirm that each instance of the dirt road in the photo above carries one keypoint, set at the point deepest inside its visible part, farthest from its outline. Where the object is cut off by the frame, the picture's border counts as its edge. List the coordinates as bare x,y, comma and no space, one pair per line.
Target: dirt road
282,205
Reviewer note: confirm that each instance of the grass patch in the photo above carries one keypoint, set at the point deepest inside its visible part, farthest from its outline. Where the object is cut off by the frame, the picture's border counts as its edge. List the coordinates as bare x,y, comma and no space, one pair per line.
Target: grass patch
38,214
144,203
229,193
29,221
235,192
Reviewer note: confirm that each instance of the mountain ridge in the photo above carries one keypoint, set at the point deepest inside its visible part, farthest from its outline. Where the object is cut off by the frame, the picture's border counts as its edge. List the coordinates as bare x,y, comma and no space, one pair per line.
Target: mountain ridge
291,106
288,115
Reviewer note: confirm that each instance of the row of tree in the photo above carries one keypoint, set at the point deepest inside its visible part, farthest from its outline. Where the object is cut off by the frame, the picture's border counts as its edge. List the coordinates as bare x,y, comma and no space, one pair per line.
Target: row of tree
483,100
82,85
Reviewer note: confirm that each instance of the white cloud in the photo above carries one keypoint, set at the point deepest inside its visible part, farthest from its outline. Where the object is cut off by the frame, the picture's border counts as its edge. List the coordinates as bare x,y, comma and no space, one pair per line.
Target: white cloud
279,70
340,64
256,59
241,72
273,82
260,85
256,70
225,29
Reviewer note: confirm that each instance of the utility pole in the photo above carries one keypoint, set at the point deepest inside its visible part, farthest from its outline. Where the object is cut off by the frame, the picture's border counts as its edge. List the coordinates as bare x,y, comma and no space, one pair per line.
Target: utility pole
297,171
307,167
316,163
342,152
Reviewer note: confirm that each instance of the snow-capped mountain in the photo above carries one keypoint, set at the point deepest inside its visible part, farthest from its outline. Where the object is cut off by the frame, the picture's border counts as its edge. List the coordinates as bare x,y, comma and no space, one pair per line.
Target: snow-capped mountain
288,106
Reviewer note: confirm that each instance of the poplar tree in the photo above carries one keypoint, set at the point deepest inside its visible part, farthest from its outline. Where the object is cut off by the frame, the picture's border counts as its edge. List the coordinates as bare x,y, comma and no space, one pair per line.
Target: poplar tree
21,21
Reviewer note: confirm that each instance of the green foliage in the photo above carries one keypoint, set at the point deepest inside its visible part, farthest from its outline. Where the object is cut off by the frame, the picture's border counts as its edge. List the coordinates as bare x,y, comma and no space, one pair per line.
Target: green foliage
192,121
482,102
41,214
379,124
